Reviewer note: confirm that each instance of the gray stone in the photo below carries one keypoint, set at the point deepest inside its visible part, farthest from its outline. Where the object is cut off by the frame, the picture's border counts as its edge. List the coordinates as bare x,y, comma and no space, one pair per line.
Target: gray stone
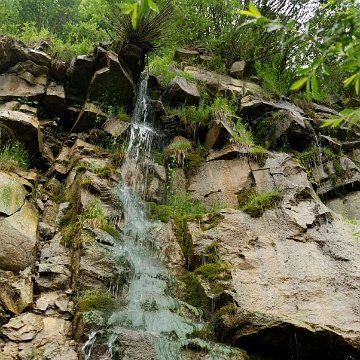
54,100
12,194
237,69
16,291
18,237
184,54
23,128
13,86
112,80
181,91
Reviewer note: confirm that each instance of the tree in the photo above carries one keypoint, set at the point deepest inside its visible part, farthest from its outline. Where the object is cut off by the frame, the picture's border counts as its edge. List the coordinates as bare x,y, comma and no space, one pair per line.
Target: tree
335,38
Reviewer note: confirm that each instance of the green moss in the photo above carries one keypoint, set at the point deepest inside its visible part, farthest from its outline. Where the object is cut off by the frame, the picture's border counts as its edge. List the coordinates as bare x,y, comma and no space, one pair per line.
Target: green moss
95,300
265,131
158,212
256,205
195,292
339,170
104,172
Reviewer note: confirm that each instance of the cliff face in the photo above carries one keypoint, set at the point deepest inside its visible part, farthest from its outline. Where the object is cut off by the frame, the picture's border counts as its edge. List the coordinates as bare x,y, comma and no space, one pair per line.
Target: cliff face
276,269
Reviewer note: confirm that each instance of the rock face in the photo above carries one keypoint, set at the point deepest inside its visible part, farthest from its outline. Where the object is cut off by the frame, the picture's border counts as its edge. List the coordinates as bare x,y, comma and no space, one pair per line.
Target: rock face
181,91
282,282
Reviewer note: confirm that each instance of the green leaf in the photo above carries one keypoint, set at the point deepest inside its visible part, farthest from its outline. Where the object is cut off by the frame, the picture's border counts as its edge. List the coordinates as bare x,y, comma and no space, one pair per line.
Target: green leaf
332,122
346,112
134,17
246,13
314,86
348,81
153,6
298,84
254,10
357,86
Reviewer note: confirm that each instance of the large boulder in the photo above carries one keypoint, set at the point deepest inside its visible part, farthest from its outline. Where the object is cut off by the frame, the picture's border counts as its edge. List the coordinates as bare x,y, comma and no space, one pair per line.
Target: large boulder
180,91
220,181
285,126
237,69
295,276
112,83
23,128
18,237
16,291
23,85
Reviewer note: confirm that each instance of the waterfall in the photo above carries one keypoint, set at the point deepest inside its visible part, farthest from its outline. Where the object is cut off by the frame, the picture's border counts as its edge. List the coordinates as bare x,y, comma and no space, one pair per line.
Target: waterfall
150,312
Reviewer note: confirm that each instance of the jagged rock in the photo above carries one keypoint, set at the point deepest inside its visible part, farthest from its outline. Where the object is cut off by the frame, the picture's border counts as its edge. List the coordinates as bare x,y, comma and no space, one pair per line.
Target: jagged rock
90,116
285,125
18,234
336,175
311,262
334,145
23,327
58,70
254,107
348,205
13,86
349,146
12,194
55,304
99,270
115,126
223,85
229,152
54,100
237,69
113,82
80,72
40,338
169,247
29,66
16,291
219,132
54,266
156,190
181,91
184,54
23,128
220,181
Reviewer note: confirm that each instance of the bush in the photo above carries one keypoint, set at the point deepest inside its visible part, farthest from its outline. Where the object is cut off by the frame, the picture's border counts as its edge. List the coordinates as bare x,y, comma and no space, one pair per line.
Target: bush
256,205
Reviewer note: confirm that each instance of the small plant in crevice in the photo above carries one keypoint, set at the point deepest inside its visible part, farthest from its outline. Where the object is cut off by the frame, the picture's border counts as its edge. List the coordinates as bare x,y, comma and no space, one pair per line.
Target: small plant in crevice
94,214
13,156
310,158
256,204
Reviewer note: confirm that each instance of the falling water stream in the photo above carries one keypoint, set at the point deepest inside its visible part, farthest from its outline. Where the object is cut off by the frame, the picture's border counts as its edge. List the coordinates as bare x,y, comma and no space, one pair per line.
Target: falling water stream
149,308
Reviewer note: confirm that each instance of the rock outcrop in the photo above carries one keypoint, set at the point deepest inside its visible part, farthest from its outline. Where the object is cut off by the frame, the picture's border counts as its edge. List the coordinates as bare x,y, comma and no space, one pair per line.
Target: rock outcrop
280,281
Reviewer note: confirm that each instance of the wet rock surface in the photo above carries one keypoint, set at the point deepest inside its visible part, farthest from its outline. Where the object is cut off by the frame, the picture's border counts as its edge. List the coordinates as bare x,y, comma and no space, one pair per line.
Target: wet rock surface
287,279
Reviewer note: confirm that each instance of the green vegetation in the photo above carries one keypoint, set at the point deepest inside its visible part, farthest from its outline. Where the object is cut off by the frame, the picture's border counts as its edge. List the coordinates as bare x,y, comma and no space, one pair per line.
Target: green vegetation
256,204
13,156
95,300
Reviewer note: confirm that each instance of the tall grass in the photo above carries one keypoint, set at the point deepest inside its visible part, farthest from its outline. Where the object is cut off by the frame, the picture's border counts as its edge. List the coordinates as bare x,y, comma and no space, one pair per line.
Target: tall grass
13,156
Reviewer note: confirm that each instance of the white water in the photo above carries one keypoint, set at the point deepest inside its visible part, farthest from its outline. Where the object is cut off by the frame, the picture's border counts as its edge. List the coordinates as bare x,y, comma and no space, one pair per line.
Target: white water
148,303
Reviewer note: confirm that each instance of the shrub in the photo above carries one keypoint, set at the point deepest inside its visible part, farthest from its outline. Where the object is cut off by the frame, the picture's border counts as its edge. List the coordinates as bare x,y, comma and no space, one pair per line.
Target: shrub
256,205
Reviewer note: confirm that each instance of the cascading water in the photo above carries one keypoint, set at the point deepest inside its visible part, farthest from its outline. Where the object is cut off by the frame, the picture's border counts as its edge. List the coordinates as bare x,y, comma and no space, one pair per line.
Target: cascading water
150,313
